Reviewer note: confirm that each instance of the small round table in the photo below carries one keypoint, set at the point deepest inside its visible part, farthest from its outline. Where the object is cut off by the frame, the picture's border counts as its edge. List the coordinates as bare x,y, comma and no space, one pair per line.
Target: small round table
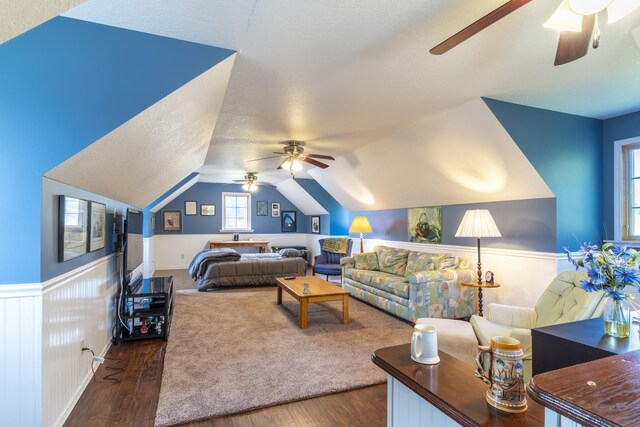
480,286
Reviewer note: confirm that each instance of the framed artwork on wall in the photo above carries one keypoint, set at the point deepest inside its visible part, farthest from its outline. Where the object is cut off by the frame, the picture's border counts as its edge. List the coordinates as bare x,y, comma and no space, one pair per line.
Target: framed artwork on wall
315,225
98,215
288,221
425,224
262,208
172,221
190,208
207,210
275,209
73,227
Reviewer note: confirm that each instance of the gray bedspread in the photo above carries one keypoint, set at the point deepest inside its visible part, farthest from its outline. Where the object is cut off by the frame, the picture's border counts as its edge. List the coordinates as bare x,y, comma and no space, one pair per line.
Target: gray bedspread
251,270
199,263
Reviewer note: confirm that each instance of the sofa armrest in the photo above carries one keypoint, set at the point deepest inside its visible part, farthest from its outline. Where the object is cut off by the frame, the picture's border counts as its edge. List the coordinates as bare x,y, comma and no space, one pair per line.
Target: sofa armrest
510,315
439,293
524,336
347,262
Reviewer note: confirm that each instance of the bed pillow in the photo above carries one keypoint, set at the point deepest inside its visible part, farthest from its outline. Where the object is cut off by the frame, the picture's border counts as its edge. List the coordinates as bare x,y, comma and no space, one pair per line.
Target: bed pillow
290,253
366,261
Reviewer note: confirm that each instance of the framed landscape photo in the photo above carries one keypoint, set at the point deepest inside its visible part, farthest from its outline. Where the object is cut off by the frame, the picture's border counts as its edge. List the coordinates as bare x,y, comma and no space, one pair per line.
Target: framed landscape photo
288,221
73,227
207,210
172,221
97,228
275,209
315,225
190,208
262,208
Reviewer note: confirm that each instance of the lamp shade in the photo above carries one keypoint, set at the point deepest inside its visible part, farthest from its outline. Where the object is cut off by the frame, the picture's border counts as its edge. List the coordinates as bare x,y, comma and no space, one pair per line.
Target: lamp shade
477,223
360,224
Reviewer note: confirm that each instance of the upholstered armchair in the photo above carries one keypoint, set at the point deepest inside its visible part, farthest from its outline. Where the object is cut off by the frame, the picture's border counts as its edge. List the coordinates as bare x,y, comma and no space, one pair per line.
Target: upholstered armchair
328,263
563,301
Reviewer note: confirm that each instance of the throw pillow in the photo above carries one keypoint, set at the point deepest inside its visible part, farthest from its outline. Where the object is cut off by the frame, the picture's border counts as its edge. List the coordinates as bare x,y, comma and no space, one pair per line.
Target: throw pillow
419,261
448,261
290,253
366,261
392,260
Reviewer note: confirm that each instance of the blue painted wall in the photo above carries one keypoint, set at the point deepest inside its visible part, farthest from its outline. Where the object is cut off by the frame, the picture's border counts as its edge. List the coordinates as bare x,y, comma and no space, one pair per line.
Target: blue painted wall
211,194
524,224
64,85
338,218
147,229
49,265
566,150
615,129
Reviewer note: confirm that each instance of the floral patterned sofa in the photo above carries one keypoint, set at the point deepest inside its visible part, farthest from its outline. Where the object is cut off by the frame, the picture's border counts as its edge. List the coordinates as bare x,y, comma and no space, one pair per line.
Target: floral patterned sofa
410,284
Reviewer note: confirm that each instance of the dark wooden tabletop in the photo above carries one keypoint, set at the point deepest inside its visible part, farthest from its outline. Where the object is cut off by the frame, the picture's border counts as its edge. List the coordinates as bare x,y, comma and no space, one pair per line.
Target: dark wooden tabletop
452,387
604,392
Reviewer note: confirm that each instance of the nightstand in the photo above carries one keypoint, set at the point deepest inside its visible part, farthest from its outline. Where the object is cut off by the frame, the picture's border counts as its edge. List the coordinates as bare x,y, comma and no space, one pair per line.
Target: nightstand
480,287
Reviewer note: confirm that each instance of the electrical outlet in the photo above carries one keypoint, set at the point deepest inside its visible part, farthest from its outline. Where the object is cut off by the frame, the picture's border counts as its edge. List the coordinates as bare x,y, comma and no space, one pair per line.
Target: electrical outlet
81,344
98,359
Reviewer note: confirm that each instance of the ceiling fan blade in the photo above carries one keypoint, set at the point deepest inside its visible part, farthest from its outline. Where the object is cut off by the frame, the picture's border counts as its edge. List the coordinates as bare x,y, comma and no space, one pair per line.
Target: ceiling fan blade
571,45
320,156
265,184
264,158
239,180
315,163
482,23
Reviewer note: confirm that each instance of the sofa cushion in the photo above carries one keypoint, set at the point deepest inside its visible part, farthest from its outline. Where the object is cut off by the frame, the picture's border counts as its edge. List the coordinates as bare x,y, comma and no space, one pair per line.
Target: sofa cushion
447,261
366,261
419,261
387,282
392,260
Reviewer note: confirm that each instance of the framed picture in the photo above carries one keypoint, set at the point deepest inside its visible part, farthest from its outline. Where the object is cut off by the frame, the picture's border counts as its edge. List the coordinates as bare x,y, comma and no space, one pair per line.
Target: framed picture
315,225
73,227
288,221
190,208
262,208
98,215
207,210
172,220
275,209
425,224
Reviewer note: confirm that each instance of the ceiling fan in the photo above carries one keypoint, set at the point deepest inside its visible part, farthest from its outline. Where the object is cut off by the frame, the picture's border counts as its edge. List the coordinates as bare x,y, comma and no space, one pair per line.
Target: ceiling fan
577,21
250,182
294,155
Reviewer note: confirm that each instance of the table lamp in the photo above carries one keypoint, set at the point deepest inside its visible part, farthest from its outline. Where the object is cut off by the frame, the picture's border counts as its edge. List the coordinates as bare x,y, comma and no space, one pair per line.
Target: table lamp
360,225
478,223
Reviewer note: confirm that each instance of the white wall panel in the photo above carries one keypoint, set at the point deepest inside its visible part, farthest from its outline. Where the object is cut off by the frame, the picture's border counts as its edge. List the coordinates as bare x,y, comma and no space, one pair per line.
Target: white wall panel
75,306
20,355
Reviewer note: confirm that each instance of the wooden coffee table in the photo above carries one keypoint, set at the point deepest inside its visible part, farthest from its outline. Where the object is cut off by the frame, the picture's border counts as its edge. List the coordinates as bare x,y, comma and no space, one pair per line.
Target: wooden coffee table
321,291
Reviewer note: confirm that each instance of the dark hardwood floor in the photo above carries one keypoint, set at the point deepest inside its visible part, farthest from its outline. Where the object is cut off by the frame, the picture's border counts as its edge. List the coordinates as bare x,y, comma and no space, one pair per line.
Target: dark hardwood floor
133,400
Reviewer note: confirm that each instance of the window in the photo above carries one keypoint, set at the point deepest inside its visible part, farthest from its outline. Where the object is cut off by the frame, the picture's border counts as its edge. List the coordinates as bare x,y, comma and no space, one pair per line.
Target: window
631,191
236,212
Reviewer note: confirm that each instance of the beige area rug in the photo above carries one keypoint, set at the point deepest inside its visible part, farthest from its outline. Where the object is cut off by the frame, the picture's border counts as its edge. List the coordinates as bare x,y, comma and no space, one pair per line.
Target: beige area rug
233,351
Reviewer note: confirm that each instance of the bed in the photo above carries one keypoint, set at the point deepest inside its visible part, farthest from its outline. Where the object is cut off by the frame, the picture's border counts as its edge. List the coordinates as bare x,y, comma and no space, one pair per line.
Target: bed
225,267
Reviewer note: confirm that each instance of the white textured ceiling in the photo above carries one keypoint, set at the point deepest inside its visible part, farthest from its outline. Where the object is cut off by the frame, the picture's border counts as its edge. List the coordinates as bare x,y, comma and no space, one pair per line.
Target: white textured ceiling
300,198
146,156
18,16
343,74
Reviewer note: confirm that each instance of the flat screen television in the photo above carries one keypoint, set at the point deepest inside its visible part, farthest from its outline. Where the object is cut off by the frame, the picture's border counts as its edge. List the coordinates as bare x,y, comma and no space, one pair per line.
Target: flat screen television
132,243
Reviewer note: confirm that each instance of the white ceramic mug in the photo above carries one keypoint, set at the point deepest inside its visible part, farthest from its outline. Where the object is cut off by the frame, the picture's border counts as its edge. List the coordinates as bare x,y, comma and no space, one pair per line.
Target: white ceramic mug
424,344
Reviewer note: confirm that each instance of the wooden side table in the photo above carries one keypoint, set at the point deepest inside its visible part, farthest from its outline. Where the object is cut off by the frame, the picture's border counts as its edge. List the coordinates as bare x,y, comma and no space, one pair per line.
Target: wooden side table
480,286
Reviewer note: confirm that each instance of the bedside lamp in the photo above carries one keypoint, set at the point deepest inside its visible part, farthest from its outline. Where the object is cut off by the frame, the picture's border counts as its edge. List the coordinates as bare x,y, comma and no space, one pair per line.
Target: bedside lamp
360,225
478,223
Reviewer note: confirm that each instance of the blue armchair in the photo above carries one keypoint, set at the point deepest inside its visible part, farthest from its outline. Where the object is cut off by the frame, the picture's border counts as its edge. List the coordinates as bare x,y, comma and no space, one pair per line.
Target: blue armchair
328,263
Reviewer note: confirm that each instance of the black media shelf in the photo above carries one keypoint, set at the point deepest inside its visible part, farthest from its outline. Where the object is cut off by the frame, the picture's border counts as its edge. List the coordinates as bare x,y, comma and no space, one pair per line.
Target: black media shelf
147,304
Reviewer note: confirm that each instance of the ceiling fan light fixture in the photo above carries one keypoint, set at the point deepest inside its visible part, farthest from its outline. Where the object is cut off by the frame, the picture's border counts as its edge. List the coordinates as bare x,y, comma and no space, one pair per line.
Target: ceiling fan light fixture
245,187
588,7
292,165
565,19
618,9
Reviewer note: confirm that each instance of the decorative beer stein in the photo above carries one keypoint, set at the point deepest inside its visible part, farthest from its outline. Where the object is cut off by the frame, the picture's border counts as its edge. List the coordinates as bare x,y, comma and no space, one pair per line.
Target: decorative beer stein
424,345
506,374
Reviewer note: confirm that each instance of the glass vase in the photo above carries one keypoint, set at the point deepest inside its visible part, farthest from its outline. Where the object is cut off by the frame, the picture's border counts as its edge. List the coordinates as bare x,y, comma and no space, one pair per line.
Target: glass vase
617,318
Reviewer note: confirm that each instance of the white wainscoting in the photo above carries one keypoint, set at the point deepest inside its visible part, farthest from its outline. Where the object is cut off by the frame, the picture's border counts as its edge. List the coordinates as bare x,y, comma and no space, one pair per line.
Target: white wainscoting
524,275
176,251
43,369
21,355
79,305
